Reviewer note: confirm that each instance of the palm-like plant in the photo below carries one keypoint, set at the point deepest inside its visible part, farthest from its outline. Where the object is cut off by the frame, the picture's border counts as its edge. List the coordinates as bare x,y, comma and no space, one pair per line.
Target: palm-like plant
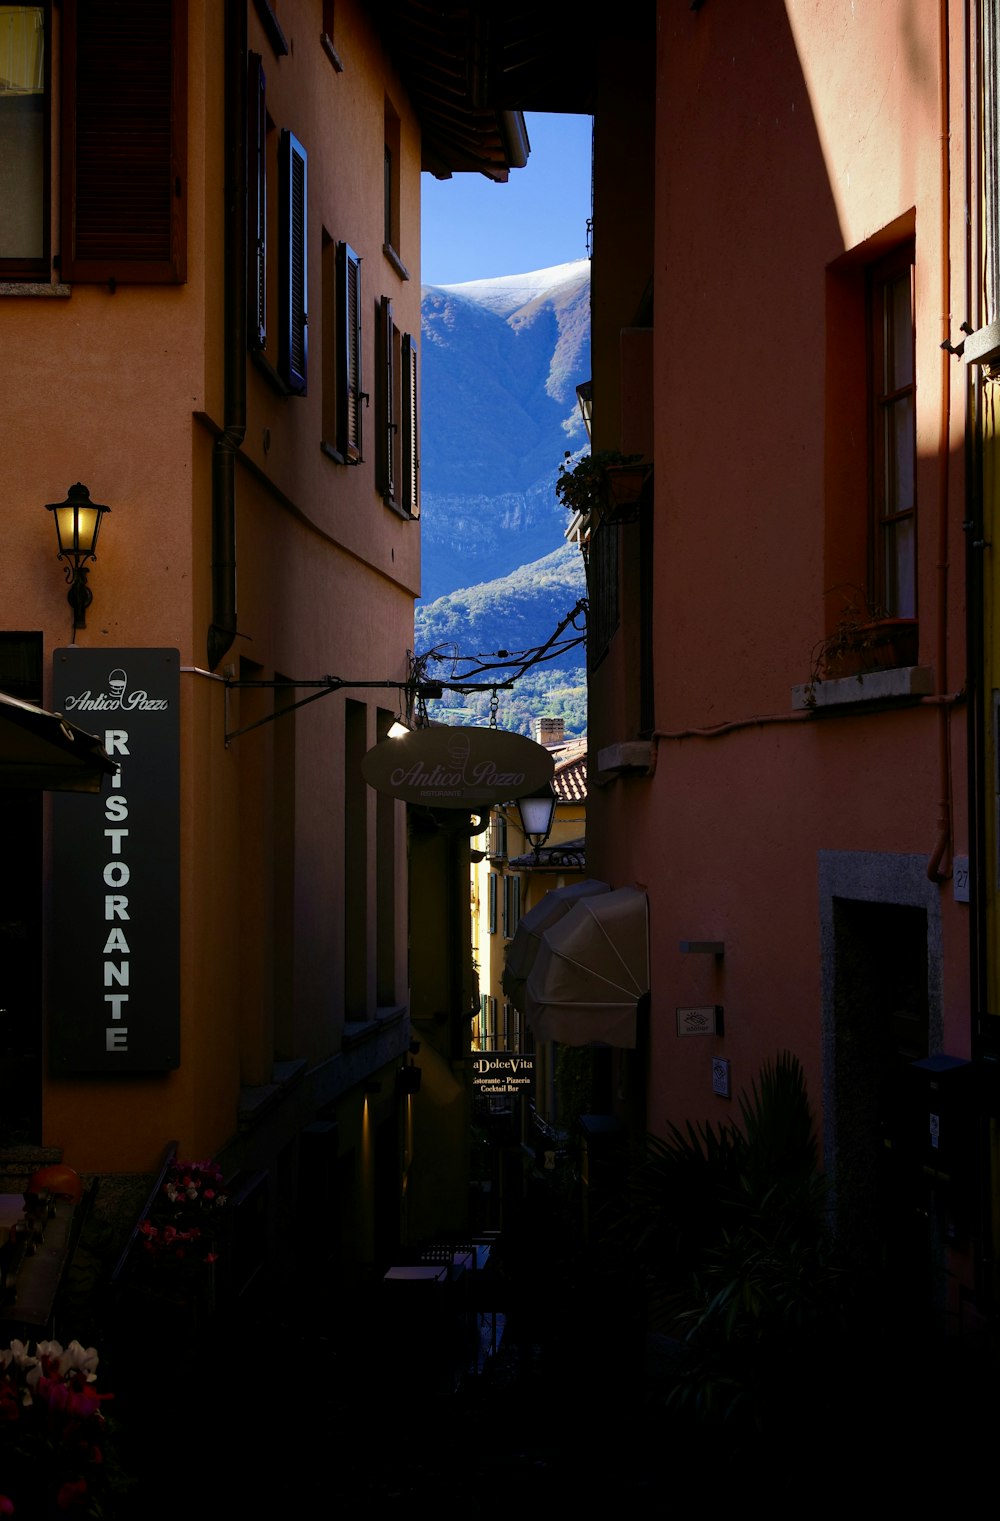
729,1224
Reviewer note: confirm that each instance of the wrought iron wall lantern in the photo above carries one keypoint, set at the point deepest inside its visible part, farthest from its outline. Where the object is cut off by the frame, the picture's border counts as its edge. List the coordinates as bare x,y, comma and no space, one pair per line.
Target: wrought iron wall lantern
78,523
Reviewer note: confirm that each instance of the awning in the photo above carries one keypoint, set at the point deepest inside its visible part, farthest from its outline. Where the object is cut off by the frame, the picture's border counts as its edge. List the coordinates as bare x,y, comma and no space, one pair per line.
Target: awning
590,971
523,948
39,749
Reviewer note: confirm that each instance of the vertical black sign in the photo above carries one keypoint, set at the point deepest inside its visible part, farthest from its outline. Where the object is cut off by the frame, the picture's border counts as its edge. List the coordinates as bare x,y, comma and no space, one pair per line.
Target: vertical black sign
113,954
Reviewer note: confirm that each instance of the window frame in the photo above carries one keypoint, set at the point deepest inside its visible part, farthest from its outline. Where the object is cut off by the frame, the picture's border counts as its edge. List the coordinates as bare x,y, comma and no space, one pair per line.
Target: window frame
293,300
603,588
887,399
350,376
256,202
29,266
387,429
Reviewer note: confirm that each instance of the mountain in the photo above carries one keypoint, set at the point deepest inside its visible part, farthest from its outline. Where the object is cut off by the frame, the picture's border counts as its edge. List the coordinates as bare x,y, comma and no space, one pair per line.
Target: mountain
514,613
501,362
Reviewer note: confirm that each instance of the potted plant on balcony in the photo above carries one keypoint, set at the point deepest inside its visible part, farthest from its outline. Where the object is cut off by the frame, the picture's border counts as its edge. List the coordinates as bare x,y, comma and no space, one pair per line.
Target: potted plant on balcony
606,479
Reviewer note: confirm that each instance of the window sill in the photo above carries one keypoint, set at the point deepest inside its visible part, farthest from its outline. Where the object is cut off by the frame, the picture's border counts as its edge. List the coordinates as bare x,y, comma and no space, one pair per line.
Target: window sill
256,1102
874,686
635,755
326,42
34,288
333,453
272,27
400,510
271,375
395,261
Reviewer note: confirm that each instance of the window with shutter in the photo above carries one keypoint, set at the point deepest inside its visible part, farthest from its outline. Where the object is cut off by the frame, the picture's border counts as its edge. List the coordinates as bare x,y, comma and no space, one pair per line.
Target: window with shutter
411,455
123,114
385,463
256,203
293,354
25,117
349,379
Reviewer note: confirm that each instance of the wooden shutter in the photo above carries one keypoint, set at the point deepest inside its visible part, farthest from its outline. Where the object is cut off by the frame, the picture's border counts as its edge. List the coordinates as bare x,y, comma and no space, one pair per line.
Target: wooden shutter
256,203
123,113
411,454
294,341
349,377
386,457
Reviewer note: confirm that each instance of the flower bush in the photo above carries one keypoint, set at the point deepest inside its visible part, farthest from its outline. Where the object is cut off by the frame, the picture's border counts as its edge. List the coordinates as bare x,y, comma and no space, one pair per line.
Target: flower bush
182,1224
56,1441
195,1184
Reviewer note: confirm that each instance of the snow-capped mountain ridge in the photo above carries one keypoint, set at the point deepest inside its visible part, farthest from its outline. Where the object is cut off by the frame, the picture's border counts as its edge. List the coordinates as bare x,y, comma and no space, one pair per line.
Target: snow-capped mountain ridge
505,294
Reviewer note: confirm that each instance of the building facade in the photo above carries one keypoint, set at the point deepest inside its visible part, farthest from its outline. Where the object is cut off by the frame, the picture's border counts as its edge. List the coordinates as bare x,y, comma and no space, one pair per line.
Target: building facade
784,628
210,294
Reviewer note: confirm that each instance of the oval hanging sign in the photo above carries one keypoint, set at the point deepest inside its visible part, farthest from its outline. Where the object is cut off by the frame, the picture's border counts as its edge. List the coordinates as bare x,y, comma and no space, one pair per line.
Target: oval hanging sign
457,767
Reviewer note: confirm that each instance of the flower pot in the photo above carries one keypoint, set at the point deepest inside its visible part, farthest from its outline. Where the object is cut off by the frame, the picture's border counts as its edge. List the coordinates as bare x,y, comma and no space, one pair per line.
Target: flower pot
885,644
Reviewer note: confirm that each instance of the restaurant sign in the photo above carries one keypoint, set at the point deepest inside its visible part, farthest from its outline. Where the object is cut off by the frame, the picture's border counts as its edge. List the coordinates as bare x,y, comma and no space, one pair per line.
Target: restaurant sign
458,767
114,962
500,1072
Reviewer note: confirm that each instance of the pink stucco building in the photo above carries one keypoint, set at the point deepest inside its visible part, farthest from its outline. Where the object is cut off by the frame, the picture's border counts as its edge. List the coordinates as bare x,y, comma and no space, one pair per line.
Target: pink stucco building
780,687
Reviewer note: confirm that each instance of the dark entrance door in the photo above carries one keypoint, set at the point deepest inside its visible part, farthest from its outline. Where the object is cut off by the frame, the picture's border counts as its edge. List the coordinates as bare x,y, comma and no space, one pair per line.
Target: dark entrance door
881,1024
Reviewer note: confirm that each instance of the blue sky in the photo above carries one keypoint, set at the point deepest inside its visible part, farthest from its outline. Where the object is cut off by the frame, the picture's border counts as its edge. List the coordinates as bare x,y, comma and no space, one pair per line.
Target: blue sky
473,229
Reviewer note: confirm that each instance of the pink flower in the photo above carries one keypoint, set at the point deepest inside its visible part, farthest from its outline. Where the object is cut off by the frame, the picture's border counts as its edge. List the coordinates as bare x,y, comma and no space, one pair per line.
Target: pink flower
71,1494
6,1505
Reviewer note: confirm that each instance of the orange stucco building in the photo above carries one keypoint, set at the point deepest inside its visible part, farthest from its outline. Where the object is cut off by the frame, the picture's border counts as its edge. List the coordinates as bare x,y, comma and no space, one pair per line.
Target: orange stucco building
210,303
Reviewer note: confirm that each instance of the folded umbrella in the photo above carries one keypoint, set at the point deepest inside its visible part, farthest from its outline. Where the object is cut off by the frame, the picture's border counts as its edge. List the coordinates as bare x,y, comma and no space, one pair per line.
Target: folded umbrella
590,971
523,949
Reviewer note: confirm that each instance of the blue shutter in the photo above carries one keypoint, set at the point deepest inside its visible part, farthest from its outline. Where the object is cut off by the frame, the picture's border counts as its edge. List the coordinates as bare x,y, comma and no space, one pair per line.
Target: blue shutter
294,341
411,455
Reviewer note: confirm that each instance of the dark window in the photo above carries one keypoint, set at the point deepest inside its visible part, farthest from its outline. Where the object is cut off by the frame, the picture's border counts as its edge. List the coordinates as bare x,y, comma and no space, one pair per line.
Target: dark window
256,203
292,295
349,378
602,590
492,902
25,120
287,371
391,243
385,460
511,905
387,196
123,114
893,436
21,920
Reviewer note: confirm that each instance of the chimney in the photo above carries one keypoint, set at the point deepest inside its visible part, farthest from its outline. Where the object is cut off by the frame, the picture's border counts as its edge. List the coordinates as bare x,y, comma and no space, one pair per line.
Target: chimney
549,731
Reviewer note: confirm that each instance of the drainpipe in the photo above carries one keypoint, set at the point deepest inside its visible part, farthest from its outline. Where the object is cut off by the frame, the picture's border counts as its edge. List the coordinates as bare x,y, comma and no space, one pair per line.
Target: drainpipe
222,629
937,869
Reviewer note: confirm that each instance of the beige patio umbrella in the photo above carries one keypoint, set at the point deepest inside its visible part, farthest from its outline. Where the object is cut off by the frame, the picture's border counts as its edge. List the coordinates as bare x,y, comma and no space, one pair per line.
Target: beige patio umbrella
523,949
590,971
